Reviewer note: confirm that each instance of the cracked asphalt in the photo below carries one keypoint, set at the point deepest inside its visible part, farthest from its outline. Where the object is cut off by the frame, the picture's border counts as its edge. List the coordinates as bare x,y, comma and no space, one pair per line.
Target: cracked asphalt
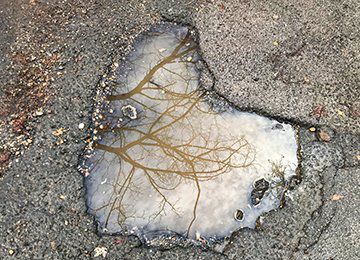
296,61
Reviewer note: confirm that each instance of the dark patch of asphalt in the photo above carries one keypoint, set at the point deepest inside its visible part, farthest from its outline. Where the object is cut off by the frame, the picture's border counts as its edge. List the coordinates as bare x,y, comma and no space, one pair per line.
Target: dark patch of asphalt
297,62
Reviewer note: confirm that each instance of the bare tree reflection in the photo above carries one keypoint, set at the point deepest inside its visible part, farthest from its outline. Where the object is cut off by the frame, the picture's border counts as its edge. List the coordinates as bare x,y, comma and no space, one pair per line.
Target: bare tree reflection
176,139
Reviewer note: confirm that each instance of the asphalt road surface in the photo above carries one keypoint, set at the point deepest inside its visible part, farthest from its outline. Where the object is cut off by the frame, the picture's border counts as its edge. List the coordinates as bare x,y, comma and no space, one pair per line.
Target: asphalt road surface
296,61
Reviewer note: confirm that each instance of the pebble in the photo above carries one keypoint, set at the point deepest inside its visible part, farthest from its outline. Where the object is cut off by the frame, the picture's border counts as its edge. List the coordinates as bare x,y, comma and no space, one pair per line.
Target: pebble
81,126
39,112
53,245
337,197
59,131
197,235
100,251
324,136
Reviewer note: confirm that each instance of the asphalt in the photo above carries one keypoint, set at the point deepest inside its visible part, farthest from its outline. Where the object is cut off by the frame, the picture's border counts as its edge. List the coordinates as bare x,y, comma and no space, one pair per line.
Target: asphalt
296,61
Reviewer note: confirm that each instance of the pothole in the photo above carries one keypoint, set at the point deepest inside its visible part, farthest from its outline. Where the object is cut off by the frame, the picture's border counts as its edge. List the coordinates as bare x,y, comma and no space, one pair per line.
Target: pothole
169,158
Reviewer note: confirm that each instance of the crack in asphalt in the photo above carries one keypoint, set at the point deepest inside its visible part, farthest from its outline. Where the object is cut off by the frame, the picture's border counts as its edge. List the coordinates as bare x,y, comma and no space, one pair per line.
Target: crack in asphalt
319,212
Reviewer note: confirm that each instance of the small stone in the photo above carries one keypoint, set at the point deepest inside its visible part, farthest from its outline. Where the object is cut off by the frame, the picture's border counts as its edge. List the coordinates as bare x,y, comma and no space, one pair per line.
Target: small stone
53,245
275,17
162,50
60,141
59,131
81,126
312,129
275,43
337,197
358,157
324,136
239,215
260,187
189,59
62,197
39,112
86,173
11,252
100,251
197,235
278,126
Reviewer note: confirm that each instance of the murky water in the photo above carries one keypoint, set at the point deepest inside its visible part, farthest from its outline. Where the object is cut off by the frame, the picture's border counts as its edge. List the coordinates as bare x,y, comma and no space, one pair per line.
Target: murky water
164,160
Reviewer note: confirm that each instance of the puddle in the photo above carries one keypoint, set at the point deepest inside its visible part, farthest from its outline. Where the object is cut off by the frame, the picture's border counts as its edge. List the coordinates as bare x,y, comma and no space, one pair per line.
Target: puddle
167,161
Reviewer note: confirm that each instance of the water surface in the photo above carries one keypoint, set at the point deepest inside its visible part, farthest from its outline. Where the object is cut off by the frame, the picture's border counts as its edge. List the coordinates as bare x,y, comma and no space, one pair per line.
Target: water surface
166,160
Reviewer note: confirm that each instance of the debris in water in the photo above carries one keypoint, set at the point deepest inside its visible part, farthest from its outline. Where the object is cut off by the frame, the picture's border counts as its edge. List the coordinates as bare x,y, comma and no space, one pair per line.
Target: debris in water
129,111
260,187
239,215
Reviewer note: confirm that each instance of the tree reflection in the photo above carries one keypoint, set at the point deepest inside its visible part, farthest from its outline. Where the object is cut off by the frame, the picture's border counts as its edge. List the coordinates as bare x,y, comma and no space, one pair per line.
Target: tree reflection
176,138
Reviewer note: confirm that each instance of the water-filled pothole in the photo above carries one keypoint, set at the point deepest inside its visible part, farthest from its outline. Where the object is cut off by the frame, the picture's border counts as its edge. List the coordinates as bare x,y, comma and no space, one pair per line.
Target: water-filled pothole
167,160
